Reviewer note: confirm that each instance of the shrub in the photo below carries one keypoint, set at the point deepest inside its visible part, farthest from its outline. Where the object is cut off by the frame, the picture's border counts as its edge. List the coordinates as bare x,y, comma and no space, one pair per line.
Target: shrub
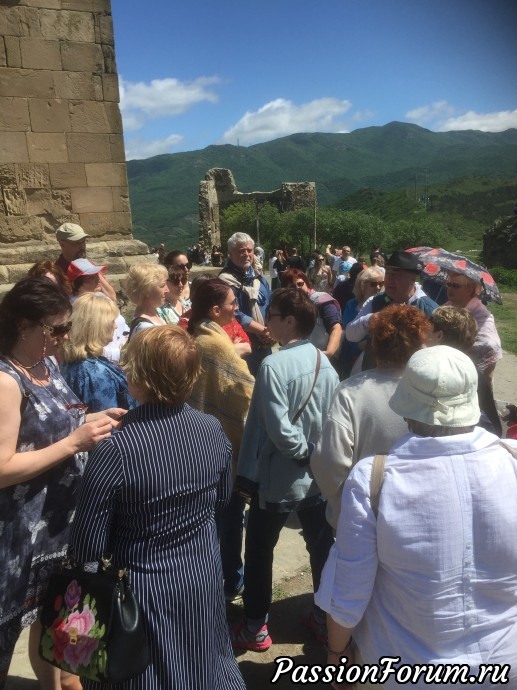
505,277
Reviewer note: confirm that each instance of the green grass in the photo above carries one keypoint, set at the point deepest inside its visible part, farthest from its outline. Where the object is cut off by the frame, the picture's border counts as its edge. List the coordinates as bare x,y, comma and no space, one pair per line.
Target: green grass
505,316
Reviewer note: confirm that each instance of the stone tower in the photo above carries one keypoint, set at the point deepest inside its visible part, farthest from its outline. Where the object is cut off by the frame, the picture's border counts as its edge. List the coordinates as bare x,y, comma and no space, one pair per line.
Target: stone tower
61,147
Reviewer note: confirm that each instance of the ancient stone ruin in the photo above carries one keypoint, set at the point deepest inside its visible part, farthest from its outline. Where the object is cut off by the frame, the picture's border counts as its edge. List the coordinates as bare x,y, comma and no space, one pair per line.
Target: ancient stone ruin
218,191
61,147
500,243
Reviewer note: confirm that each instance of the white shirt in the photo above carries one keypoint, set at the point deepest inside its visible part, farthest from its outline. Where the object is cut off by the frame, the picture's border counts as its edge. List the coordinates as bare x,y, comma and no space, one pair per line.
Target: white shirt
434,578
357,329
486,350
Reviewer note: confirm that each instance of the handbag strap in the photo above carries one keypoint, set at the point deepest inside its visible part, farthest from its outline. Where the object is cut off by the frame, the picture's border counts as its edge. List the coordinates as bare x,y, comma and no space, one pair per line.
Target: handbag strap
316,372
377,476
511,450
376,482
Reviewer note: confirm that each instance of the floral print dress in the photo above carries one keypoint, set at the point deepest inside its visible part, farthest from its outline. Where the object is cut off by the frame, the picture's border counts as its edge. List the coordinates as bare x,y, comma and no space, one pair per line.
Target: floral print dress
35,516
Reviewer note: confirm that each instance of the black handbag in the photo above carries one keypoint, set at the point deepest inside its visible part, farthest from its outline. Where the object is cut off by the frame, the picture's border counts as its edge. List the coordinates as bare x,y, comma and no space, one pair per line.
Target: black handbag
92,625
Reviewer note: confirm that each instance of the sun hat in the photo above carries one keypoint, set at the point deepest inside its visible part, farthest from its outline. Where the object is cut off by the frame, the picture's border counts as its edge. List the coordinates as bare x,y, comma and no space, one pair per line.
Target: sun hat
82,267
438,387
70,232
404,261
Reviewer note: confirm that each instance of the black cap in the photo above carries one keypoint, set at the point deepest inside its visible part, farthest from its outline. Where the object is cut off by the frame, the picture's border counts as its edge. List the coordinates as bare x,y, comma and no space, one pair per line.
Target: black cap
405,261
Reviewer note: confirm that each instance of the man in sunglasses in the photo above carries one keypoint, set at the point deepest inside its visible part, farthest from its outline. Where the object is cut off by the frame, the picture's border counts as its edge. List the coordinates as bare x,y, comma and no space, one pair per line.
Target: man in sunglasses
72,240
463,292
400,287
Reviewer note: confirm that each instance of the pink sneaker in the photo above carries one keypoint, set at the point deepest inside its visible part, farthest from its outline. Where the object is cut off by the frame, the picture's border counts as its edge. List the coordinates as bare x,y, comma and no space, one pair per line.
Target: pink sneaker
243,638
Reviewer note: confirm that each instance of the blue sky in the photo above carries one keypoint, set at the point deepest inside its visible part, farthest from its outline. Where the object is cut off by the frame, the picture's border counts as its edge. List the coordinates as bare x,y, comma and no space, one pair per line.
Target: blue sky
195,72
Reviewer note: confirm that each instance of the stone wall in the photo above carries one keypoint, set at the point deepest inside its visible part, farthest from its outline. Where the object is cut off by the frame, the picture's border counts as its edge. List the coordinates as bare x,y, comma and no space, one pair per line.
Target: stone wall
500,243
61,146
218,191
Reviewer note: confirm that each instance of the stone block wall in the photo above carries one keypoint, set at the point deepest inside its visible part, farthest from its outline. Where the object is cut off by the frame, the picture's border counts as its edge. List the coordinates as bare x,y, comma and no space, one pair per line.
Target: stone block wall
61,142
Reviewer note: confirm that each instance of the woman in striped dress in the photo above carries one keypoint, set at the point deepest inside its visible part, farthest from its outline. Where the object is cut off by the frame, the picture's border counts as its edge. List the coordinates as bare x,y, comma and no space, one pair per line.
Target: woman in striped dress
149,497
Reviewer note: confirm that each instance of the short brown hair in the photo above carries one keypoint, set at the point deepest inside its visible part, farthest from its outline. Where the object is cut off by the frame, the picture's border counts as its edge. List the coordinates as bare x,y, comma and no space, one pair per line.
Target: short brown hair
290,276
293,302
458,326
164,363
397,332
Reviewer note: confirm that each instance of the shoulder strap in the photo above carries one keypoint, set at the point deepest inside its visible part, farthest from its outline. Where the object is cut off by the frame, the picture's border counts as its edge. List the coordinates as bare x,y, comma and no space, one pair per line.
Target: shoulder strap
134,324
511,450
316,372
376,482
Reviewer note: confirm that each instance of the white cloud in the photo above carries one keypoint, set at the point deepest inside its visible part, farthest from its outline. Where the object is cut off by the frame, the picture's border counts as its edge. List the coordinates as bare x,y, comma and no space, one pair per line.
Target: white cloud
281,117
486,122
440,116
430,113
140,101
138,148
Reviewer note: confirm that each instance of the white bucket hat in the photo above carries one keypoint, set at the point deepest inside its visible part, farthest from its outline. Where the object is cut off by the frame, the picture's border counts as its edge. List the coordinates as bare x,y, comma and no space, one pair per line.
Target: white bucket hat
439,388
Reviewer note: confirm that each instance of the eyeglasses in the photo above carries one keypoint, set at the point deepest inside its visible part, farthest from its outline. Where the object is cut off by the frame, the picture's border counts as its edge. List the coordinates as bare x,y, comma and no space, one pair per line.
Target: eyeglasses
233,303
77,410
455,286
271,314
376,283
300,283
60,329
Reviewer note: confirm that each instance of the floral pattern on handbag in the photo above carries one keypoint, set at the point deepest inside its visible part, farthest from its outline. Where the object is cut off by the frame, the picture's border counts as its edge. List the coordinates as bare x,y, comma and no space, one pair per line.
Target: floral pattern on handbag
76,634
92,625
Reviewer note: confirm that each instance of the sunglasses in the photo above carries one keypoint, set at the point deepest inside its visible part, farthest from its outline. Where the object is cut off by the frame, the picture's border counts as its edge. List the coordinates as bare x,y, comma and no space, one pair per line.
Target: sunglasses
61,329
455,286
182,266
376,283
300,283
176,281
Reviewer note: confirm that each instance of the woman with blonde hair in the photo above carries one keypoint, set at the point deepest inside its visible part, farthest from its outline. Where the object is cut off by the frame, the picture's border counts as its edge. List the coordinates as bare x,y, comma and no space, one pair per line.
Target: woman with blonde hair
151,498
368,283
97,382
147,288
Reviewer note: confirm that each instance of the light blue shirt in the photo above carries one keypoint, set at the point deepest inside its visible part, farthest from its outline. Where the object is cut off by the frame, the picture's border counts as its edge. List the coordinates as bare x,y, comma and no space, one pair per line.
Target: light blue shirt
434,578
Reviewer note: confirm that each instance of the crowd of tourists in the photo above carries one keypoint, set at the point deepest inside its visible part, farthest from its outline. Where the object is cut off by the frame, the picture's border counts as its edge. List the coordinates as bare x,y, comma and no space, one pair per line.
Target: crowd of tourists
339,390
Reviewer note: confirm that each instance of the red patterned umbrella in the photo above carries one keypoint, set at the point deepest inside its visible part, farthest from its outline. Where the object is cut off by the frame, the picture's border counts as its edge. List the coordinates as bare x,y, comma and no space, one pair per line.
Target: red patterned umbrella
438,262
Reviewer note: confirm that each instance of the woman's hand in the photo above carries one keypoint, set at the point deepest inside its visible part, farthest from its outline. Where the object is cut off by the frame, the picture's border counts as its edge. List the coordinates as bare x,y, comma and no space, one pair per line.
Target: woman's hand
90,433
114,413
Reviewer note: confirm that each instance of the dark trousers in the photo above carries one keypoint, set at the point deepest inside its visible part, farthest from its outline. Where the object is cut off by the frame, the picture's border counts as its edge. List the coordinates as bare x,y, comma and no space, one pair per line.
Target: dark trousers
262,533
230,525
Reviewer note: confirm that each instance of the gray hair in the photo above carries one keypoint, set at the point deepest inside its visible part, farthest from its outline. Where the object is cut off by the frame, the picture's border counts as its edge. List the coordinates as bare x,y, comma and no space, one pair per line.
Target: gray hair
239,238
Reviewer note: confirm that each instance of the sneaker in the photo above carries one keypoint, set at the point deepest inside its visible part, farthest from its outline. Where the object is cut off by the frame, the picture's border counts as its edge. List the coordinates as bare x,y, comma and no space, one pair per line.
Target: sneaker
235,594
317,626
243,638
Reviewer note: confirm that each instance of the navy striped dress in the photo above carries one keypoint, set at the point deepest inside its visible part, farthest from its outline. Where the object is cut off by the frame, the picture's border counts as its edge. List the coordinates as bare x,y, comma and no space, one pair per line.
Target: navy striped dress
149,496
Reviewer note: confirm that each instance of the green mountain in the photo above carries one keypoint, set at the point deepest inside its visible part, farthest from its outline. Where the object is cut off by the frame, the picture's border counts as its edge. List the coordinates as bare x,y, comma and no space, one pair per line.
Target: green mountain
164,189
